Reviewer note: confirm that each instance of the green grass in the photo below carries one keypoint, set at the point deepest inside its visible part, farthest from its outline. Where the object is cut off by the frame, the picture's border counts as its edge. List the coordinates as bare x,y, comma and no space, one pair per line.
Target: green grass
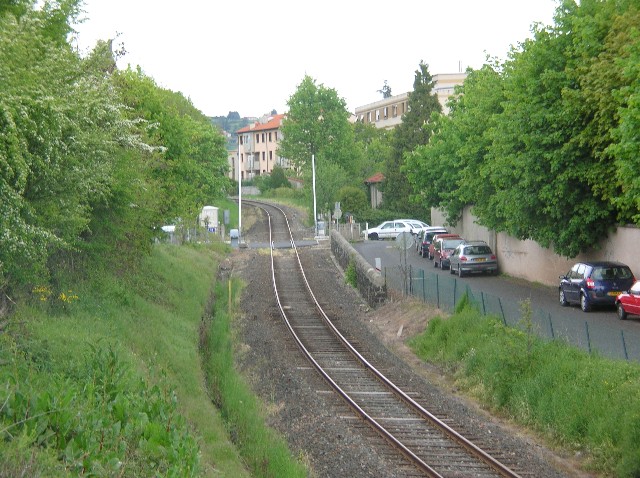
111,380
576,400
266,453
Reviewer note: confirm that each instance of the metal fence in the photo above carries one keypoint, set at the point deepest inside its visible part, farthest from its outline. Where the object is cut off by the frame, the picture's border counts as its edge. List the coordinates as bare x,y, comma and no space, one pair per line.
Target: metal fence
447,291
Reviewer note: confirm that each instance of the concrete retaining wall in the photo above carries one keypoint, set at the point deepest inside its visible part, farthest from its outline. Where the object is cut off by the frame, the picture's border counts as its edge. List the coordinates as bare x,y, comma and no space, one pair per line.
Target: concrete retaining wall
370,283
528,260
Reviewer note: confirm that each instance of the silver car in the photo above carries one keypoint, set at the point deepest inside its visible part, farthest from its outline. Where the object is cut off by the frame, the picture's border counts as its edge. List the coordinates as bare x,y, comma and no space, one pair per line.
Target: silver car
473,257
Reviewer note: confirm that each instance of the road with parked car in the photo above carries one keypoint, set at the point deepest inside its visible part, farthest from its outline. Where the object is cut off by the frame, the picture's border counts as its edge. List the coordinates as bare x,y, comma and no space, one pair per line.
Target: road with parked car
597,308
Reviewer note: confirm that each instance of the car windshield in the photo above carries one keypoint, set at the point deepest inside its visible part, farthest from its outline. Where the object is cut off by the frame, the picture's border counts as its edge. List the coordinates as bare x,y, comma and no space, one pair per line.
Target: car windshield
452,243
610,273
477,250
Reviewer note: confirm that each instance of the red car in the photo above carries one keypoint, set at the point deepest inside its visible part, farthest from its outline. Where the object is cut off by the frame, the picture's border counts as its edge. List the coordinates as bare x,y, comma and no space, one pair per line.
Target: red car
628,303
443,247
432,249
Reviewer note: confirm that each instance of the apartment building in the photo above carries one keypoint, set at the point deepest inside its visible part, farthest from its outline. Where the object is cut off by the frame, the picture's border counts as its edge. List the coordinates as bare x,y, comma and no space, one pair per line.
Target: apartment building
258,149
387,113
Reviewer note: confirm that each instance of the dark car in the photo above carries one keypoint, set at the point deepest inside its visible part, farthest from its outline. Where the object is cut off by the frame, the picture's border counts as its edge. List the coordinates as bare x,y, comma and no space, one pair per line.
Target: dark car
473,257
594,283
442,247
426,236
628,303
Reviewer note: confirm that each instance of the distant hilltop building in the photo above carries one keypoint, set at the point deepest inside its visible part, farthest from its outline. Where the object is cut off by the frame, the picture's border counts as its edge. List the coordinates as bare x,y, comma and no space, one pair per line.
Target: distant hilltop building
387,113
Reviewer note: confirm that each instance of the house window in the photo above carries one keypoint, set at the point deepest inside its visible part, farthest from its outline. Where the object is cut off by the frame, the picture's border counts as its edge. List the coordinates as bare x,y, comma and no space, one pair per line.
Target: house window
269,136
257,138
368,116
377,115
386,112
270,155
241,140
394,110
263,138
263,155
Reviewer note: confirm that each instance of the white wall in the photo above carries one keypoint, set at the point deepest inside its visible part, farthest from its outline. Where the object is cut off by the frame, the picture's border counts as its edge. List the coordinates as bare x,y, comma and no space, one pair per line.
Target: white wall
528,260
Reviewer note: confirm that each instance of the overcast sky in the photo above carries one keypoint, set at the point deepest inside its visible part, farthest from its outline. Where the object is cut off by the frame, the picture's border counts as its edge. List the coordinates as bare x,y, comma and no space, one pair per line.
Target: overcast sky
250,56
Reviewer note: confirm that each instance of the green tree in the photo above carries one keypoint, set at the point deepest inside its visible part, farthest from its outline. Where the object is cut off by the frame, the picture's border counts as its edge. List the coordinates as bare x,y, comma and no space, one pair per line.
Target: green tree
540,165
60,122
317,125
448,172
186,154
625,147
607,75
374,146
353,199
412,132
278,178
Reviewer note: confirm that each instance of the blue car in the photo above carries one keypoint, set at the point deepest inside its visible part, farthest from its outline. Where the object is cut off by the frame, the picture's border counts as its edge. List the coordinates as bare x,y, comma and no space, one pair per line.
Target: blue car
594,284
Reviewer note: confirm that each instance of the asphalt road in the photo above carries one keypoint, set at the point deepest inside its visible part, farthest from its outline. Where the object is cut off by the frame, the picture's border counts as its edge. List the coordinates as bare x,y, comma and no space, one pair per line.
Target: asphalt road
599,330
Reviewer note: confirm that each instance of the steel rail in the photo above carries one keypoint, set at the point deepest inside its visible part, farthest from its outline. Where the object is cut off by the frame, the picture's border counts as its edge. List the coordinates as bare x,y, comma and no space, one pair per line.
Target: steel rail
473,449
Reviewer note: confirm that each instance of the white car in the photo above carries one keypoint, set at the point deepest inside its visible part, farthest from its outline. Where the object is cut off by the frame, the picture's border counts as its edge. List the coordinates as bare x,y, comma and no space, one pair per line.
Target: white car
417,226
387,230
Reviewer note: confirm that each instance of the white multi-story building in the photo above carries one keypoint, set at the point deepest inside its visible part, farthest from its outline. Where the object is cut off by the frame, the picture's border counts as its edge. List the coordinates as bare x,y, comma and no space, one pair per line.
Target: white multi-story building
387,113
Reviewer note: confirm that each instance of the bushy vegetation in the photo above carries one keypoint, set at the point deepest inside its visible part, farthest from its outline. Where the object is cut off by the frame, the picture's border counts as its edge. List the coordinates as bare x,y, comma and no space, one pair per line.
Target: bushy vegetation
579,401
92,159
544,146
350,274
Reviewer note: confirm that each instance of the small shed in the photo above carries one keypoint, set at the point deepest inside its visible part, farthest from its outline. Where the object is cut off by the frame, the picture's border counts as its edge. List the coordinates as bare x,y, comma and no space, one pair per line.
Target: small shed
209,218
375,194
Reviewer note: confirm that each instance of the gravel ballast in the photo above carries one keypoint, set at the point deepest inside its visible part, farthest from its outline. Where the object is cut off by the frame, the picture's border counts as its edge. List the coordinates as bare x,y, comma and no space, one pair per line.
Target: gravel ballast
319,428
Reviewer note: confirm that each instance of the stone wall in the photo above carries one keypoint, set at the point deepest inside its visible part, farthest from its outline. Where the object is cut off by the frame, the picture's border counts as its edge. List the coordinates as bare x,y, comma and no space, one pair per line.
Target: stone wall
370,283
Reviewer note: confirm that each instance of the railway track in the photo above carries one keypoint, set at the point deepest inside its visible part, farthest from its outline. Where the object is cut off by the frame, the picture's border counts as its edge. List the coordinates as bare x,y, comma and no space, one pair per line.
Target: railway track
427,443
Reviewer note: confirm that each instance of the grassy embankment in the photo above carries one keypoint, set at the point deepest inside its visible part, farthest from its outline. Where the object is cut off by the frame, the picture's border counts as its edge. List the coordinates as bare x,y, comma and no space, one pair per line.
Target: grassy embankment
578,401
113,376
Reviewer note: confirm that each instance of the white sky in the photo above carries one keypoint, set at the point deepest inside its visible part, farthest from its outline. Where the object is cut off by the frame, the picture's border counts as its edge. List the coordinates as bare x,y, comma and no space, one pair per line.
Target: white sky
249,56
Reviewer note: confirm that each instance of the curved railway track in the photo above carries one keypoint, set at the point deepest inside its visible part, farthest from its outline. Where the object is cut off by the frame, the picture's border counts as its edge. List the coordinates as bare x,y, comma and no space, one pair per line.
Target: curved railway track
431,446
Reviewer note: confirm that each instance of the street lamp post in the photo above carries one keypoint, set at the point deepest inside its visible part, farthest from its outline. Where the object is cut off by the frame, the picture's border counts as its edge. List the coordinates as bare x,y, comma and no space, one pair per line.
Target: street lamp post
313,182
239,199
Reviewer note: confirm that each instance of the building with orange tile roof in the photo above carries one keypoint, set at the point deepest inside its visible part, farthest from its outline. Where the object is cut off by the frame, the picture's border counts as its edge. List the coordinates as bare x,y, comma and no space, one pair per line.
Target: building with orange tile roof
258,149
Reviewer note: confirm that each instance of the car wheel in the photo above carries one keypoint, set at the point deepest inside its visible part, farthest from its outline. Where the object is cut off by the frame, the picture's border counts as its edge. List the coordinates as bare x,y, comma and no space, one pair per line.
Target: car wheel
460,273
374,236
584,303
622,315
563,299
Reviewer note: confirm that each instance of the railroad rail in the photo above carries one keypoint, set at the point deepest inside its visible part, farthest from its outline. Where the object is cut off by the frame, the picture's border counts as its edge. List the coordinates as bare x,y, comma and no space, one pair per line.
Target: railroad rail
427,442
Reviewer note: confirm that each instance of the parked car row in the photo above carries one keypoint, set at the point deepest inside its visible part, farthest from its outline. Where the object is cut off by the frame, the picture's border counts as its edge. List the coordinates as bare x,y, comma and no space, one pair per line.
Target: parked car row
587,284
450,251
391,229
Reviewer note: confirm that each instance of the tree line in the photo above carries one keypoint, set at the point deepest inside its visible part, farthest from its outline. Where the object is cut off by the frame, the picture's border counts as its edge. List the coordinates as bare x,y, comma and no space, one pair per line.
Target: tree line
542,146
93,159
545,146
